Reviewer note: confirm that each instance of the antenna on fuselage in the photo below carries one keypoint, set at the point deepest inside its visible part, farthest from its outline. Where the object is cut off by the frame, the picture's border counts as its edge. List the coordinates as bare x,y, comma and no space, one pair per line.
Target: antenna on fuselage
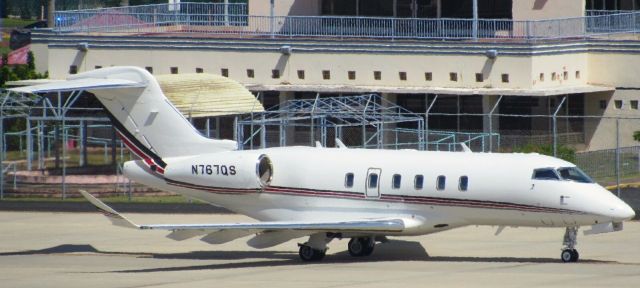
340,144
465,148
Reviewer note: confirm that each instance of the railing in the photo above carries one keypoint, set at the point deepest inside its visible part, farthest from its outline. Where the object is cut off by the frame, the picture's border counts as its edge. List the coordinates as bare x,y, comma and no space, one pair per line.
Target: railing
233,19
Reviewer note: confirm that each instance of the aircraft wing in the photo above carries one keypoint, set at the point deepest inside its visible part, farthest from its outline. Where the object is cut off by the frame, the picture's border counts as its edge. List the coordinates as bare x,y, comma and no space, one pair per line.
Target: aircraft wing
282,230
79,84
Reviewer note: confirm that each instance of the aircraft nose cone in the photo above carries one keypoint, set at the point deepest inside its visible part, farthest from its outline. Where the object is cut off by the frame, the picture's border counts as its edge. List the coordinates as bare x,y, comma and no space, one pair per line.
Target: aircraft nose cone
622,212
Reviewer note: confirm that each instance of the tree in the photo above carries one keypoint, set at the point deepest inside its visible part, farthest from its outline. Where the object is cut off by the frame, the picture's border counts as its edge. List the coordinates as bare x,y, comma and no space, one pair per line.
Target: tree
4,9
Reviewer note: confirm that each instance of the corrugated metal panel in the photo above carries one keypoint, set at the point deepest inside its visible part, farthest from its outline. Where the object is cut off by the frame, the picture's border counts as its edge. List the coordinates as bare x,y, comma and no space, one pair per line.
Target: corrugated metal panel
207,95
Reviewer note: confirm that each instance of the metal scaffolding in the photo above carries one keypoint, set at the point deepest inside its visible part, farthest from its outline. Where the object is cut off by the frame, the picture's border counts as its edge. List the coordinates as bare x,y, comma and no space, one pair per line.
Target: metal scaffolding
374,117
48,120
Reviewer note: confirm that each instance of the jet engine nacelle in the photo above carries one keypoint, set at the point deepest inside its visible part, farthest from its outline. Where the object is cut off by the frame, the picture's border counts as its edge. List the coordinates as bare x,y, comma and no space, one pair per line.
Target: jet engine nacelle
234,169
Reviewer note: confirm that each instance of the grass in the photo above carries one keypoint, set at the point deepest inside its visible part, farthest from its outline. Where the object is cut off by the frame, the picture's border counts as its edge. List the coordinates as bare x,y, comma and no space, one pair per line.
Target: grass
95,156
115,199
15,22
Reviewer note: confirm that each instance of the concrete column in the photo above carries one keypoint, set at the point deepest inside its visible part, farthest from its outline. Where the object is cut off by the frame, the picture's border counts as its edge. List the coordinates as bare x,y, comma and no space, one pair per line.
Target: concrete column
389,137
488,101
50,17
288,130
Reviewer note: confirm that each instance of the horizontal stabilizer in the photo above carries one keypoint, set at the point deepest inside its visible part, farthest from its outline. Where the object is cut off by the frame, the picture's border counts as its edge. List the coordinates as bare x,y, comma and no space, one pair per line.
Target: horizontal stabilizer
80,84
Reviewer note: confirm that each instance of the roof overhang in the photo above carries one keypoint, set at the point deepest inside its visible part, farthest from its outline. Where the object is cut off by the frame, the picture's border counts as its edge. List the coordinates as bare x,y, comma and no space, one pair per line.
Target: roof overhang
535,92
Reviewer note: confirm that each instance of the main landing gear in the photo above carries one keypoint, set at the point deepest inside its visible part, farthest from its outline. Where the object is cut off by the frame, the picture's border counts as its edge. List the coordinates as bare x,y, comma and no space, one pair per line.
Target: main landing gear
362,246
316,248
569,252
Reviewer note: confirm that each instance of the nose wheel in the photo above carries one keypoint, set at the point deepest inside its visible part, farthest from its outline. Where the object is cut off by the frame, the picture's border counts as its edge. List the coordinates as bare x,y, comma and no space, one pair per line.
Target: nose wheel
569,253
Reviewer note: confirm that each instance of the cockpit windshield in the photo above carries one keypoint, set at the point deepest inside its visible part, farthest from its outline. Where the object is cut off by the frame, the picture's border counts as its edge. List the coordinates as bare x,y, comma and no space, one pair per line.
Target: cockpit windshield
574,174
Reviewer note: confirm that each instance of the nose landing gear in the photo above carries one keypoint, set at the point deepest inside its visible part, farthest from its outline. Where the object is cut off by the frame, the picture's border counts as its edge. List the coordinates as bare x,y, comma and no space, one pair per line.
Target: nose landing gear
569,252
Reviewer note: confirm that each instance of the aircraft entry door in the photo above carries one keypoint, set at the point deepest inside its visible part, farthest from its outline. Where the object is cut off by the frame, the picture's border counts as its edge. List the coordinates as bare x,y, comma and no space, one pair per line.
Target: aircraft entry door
372,187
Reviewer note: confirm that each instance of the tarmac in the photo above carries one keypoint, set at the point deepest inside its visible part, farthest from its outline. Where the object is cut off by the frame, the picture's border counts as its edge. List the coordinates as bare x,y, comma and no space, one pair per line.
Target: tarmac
44,249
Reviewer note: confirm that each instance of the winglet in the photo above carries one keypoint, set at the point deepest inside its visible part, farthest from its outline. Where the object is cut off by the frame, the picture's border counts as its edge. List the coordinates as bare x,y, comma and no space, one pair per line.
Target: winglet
113,215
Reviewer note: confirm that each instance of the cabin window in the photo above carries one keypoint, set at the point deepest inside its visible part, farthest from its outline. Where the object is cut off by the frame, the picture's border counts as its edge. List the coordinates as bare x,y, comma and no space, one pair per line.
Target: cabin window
574,174
440,184
395,184
348,180
463,183
373,180
418,182
545,174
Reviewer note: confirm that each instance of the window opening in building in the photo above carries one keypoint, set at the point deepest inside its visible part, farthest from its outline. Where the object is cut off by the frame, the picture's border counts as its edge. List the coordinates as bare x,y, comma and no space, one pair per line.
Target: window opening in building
73,69
326,74
200,70
428,76
603,104
545,174
250,73
224,72
634,104
441,182
479,77
618,104
275,73
565,75
149,68
453,77
463,184
395,183
174,70
541,77
505,78
403,76
301,74
578,74
554,77
377,75
348,180
98,67
351,75
418,182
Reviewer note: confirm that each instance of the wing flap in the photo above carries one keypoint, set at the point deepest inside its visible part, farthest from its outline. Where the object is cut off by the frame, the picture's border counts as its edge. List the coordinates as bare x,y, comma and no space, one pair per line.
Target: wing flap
273,238
225,232
79,84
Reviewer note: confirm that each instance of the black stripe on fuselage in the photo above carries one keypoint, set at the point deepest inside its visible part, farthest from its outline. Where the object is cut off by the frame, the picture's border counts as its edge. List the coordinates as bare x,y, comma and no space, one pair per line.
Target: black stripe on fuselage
134,140
391,198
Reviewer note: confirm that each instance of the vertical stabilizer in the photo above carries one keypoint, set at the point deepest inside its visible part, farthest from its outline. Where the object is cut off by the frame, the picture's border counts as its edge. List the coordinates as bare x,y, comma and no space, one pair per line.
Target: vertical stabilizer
148,123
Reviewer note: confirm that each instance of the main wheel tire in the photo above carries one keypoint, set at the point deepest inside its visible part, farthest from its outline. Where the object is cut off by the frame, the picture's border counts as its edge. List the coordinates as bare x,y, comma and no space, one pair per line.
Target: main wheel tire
355,247
369,246
308,254
575,255
569,255
359,247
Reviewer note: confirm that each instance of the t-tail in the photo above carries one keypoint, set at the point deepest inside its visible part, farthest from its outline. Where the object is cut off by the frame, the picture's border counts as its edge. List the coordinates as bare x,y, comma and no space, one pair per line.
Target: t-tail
145,119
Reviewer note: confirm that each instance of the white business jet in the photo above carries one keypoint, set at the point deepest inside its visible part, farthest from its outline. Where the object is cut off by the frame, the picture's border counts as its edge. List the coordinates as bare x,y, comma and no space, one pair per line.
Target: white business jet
334,193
